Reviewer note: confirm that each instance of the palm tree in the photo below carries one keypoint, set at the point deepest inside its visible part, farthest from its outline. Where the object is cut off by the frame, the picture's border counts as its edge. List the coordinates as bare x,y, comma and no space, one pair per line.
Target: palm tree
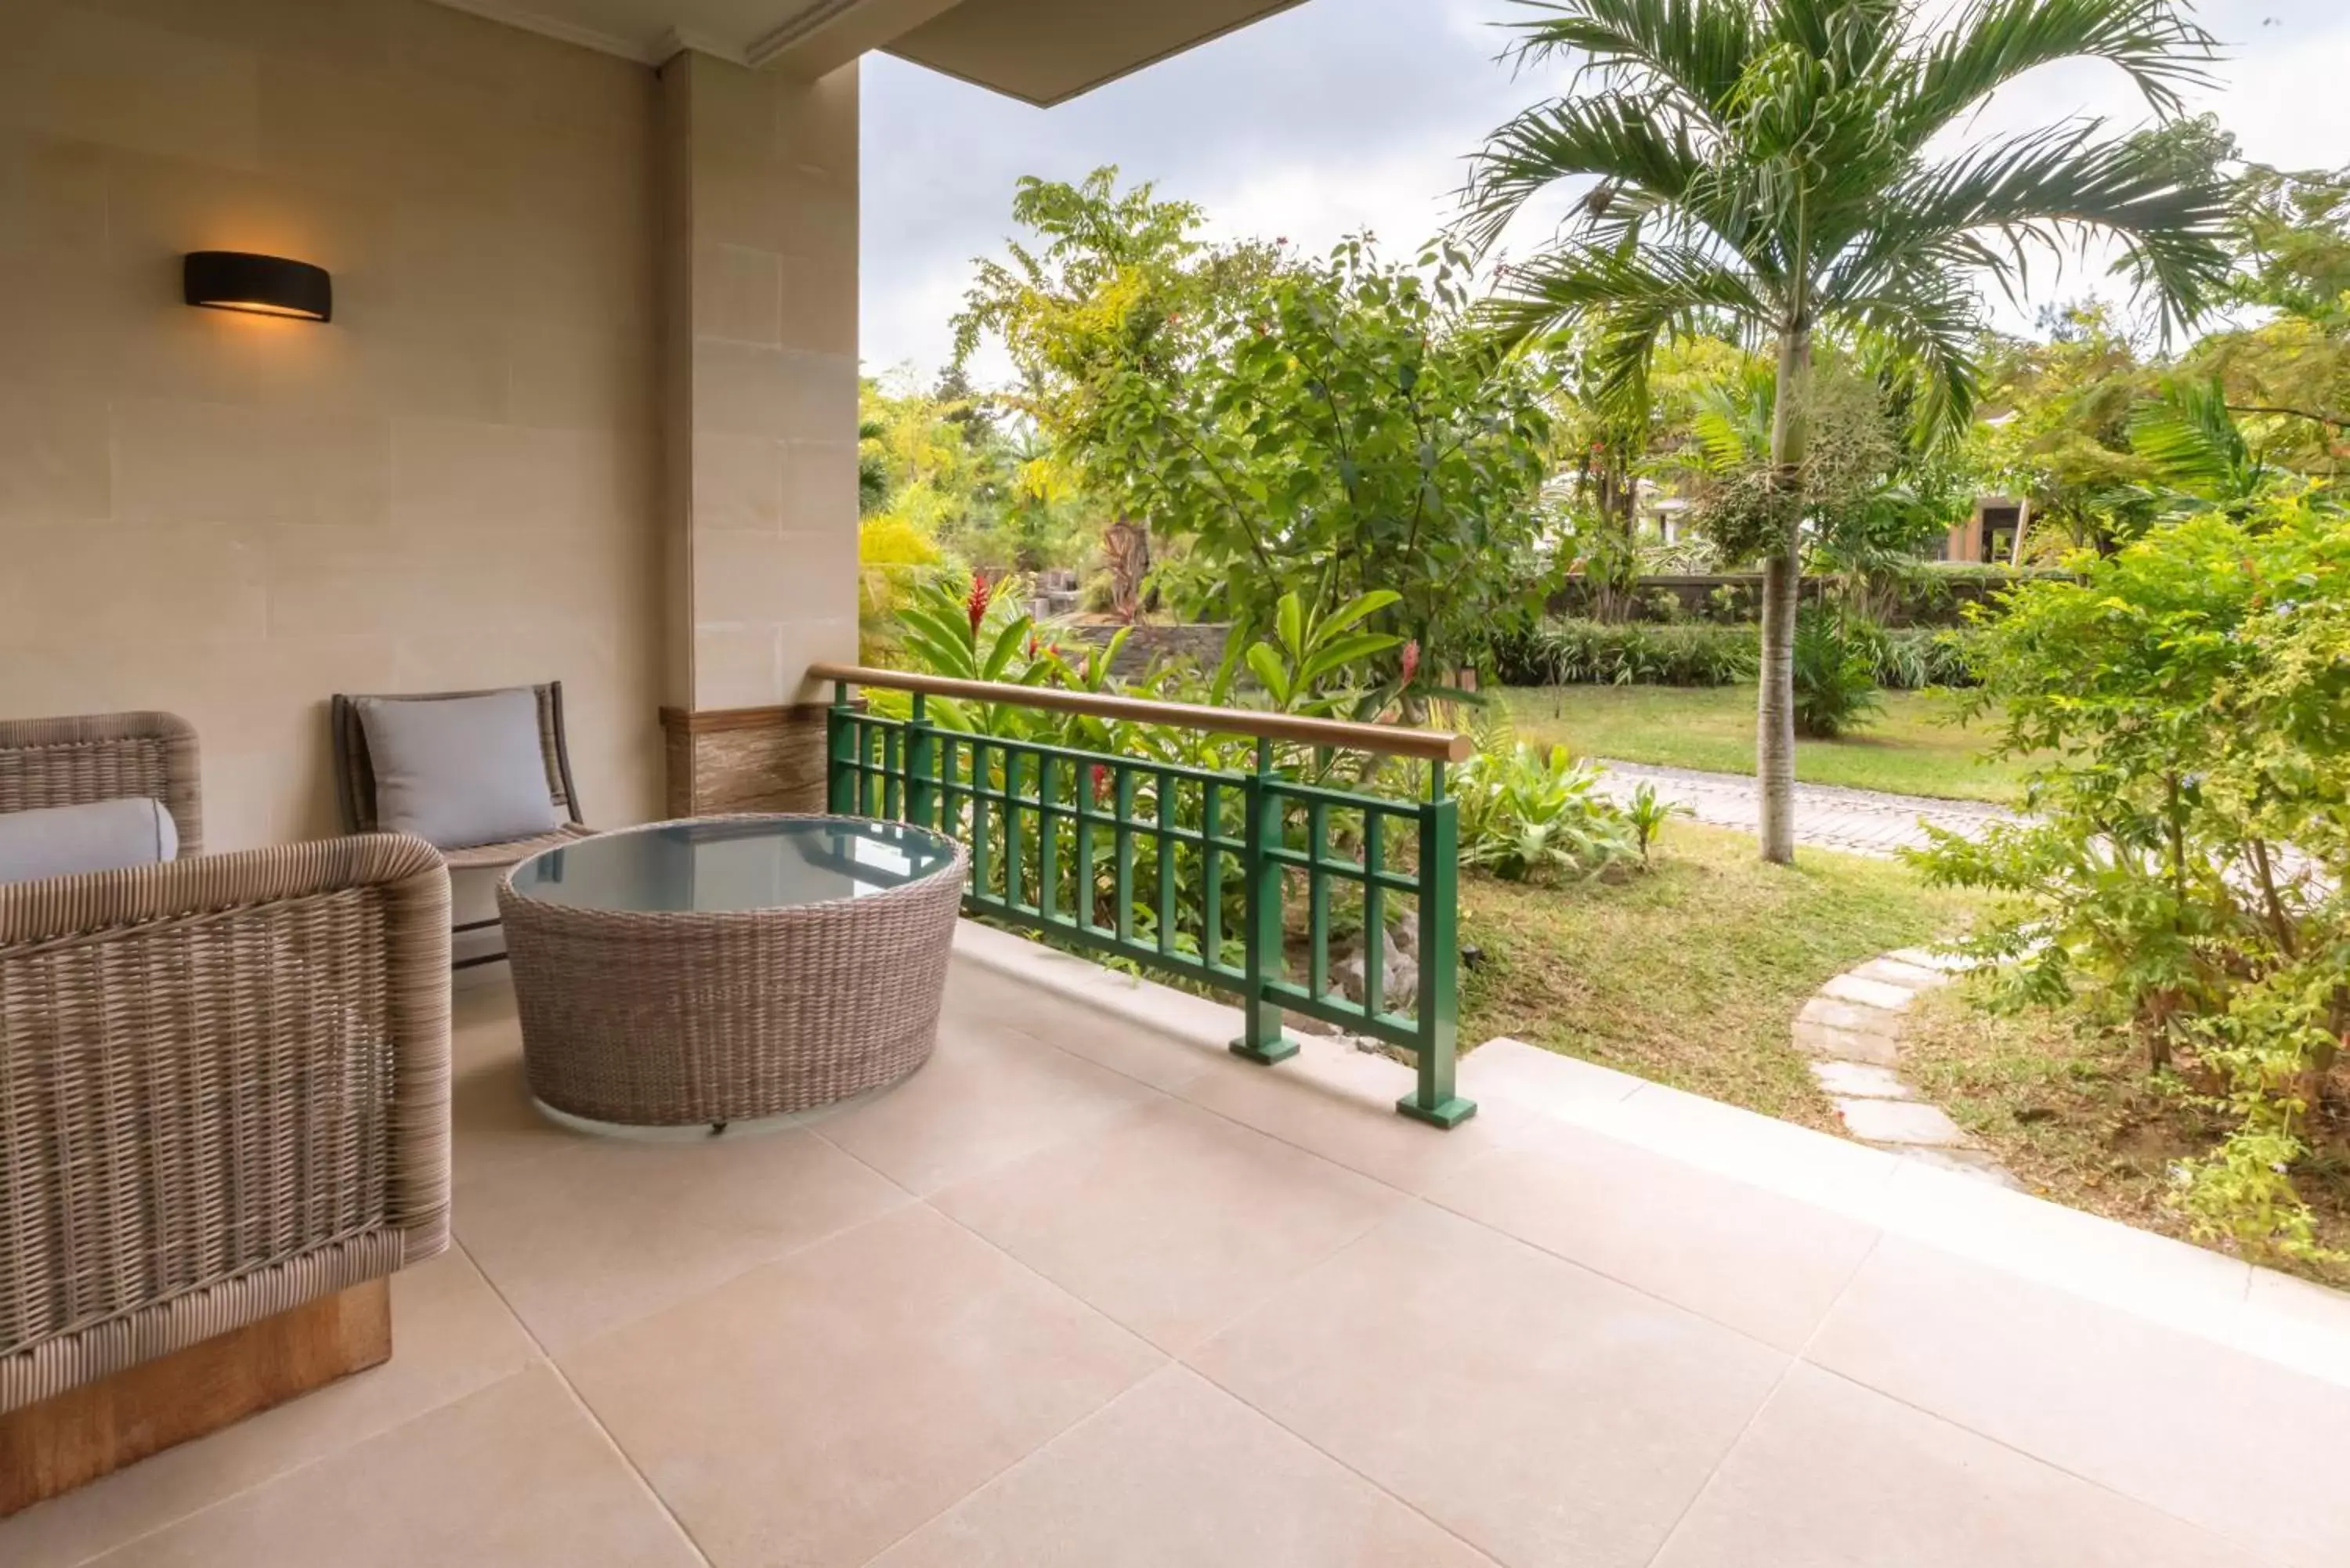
1774,166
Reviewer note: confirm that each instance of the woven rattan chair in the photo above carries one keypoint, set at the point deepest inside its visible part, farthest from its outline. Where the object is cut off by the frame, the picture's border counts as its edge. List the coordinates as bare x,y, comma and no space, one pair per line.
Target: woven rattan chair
105,756
355,790
224,1114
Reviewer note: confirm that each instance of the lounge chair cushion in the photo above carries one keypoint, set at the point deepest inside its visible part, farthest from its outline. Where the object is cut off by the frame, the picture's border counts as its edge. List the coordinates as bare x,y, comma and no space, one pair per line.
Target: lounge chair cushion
459,771
98,836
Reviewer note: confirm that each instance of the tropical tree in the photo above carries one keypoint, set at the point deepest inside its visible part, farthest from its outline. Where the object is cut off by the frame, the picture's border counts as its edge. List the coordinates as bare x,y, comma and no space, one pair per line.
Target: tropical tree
1777,165
1328,429
1348,437
1109,287
2055,427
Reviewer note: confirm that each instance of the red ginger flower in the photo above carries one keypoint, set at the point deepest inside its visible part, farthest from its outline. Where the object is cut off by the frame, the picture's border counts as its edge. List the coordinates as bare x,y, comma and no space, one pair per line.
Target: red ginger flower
977,603
1410,661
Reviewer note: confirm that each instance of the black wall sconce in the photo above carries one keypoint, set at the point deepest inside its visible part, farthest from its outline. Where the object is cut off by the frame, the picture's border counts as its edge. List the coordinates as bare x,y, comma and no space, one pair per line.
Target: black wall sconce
263,285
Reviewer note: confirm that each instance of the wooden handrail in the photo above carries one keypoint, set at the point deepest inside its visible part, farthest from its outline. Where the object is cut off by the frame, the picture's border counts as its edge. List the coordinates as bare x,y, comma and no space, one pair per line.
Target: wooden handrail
1379,739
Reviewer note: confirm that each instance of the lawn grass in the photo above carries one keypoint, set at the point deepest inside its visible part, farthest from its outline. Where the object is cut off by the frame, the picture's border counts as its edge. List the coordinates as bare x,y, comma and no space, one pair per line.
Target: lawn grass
1691,974
2067,1104
1913,748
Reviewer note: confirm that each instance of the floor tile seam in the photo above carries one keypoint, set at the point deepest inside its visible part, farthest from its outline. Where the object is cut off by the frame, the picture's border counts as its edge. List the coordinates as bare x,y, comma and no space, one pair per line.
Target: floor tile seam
312,1462
1076,997
1166,1359
913,1200
538,1356
1098,1123
1179,1093
1200,1071
1713,1471
1925,1229
1176,1355
1405,1503
1844,1292
1057,1288
1014,1463
1880,1231
2225,1538
636,1471
1804,1359
1303,1149
1638,1289
458,1184
714,1287
579,1401
1787,1360
1799,1357
1080,998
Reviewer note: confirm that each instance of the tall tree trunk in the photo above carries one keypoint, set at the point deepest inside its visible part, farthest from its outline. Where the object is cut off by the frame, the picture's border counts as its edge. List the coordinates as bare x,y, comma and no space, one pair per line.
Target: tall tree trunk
1774,705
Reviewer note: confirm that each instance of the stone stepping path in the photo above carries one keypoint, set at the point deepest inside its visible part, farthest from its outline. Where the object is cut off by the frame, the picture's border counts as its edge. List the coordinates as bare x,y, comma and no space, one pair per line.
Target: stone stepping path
1852,1031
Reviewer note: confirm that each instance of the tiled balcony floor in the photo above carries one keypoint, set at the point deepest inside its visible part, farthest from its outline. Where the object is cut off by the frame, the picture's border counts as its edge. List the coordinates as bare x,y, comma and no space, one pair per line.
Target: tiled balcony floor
1091,1293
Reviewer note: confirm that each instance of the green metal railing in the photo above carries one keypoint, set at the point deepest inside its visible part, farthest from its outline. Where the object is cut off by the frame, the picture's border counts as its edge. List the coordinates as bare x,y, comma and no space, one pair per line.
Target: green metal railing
1095,850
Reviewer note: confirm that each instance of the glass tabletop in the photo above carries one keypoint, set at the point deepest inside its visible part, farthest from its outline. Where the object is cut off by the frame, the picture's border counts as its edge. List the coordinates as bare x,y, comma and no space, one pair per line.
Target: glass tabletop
719,866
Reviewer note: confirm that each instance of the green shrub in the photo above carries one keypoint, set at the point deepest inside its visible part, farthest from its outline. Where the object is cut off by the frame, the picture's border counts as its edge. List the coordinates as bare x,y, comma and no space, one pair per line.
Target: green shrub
1835,673
2186,863
1645,813
1941,593
1562,652
1528,815
1911,659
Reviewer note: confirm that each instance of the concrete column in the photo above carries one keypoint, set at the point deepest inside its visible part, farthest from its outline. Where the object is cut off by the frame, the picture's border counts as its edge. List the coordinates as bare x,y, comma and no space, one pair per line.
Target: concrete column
760,232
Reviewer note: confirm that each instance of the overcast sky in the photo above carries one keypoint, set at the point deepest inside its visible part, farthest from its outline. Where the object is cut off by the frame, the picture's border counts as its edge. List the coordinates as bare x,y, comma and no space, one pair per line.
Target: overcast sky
1343,115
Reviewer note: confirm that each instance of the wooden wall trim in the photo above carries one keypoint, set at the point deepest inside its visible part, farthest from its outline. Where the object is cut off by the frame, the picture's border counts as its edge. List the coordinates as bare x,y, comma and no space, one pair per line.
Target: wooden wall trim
73,1437
715,721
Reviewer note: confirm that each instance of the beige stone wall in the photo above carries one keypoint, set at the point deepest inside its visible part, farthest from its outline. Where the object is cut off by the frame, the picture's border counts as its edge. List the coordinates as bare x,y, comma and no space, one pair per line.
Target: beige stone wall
454,484
760,236
759,253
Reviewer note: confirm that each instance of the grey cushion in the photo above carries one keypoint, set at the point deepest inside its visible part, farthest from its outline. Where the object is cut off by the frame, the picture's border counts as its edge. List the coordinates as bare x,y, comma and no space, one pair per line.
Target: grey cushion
103,835
459,771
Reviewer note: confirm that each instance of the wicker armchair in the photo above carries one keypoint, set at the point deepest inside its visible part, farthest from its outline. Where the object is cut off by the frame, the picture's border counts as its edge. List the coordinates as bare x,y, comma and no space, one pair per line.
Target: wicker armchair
224,1114
355,791
355,780
106,756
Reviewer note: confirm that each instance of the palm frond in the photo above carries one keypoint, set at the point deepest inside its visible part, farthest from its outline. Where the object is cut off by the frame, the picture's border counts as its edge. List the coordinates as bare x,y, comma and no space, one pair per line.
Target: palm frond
1695,49
1926,324
1579,280
1732,422
1858,35
1990,43
2190,442
2043,192
1640,143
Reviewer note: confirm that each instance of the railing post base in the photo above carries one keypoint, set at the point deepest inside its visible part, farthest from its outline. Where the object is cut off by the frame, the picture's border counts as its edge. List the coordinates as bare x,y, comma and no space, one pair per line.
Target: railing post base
1447,1113
1262,1040
1281,1048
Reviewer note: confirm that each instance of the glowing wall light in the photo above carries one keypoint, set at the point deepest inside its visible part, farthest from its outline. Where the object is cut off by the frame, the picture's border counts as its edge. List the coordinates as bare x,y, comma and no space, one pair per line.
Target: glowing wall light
263,285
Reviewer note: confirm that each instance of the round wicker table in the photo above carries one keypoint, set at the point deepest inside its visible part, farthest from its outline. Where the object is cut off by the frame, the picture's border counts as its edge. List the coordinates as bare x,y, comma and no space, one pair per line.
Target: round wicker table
728,969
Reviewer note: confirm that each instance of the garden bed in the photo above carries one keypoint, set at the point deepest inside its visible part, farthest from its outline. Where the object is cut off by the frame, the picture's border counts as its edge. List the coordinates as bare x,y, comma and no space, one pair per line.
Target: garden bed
2068,1106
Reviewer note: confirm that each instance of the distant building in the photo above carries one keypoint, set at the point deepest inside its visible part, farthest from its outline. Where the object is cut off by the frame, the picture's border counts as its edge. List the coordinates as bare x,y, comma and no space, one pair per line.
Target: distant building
1993,537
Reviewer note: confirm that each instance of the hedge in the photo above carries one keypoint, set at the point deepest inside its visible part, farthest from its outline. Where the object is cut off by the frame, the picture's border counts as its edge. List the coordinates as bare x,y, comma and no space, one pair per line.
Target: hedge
1575,653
